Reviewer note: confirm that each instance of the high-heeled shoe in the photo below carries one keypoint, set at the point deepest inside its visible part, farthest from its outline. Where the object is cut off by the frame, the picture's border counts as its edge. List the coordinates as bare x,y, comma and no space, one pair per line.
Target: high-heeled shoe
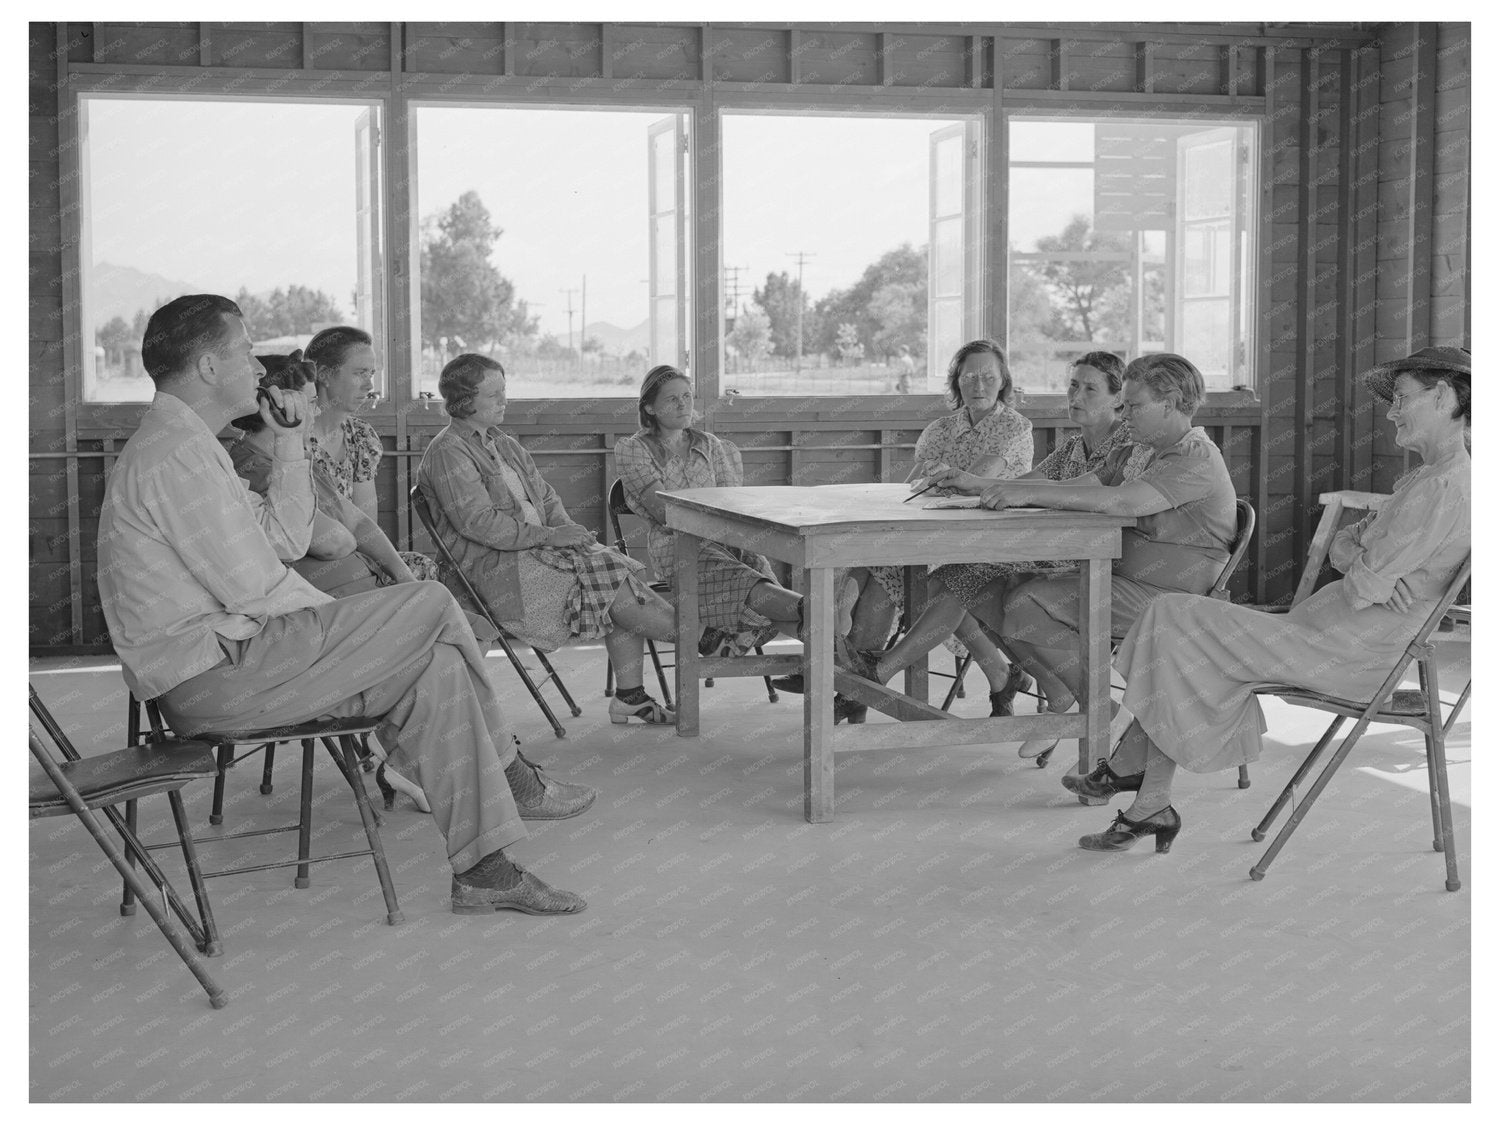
1164,824
390,783
1037,748
1102,782
1003,702
846,708
648,711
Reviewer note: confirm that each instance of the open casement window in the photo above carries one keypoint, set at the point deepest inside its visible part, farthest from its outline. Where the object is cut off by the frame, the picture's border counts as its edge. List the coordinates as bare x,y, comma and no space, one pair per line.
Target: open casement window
369,284
666,151
167,208
953,259
1211,237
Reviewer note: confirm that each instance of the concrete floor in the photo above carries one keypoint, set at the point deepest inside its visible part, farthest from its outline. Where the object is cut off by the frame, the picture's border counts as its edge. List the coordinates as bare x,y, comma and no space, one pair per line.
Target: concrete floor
942,939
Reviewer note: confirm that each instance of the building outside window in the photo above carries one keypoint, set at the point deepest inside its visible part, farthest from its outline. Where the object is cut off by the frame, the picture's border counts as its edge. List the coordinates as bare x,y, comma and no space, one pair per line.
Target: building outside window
1131,236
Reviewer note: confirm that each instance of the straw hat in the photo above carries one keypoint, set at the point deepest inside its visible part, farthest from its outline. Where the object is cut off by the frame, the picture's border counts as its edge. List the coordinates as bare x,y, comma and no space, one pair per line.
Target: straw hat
1381,381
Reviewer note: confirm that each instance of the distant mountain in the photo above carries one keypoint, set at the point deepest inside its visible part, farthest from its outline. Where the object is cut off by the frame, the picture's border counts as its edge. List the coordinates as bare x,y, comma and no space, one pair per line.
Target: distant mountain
621,341
123,290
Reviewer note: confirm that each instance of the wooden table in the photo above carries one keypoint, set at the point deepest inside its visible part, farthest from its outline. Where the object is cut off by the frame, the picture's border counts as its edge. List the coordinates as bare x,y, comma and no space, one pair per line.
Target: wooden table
823,528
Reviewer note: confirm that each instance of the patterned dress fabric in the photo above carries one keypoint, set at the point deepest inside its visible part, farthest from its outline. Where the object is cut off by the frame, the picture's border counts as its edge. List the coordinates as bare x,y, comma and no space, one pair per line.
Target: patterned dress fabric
726,575
362,455
1070,459
952,439
493,510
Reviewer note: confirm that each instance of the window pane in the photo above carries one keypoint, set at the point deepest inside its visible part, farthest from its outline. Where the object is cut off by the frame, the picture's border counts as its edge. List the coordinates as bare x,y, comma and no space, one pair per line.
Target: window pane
1120,254
948,176
1209,170
536,234
948,261
183,196
1205,337
832,216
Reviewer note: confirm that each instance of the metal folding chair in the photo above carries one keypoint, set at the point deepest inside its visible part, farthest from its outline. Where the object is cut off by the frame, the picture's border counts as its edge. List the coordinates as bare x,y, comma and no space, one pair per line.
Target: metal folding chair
80,786
448,565
1420,709
342,738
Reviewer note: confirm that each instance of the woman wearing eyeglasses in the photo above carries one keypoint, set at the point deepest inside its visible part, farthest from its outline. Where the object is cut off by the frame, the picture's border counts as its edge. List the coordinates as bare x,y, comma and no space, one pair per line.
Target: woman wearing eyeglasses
986,434
1183,502
1192,664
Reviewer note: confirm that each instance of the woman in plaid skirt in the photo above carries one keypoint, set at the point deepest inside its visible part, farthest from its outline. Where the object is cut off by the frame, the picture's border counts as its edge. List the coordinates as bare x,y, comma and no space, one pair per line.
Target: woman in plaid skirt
546,579
739,599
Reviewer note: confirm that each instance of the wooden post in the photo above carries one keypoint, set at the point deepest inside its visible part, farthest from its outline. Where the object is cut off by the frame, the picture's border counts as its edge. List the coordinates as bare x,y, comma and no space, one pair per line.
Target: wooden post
817,700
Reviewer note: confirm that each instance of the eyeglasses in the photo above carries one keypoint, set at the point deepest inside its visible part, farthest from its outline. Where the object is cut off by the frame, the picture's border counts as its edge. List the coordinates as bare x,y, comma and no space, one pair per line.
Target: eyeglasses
1399,401
1131,407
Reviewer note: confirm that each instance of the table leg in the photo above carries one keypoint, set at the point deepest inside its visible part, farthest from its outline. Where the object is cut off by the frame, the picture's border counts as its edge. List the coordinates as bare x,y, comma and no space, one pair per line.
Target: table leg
914,578
817,699
686,548
1094,591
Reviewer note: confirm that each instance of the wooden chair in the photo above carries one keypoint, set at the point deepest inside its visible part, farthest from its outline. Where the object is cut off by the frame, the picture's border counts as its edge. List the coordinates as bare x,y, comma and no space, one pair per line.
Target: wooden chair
619,509
342,738
1420,709
80,786
447,563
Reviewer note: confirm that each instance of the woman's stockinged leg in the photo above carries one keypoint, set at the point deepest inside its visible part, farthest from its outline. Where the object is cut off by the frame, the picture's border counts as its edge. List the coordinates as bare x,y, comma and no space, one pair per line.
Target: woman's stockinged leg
1156,786
1131,754
777,603
932,628
1059,693
989,658
874,614
650,617
626,651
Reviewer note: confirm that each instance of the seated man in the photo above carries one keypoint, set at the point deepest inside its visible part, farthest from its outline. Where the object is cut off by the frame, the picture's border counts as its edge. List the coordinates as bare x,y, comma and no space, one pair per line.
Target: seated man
207,620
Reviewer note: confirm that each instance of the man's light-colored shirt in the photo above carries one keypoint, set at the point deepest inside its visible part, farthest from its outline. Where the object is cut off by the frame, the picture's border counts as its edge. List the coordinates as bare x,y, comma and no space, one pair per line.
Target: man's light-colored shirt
188,554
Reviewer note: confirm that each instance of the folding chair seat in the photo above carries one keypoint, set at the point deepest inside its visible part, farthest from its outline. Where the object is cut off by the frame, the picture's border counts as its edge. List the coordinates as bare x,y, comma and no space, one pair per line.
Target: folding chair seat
81,786
448,565
1421,709
619,509
342,738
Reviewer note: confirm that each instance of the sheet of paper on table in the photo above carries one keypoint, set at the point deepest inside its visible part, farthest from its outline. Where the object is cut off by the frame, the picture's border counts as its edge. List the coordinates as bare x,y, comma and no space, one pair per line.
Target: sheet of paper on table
951,502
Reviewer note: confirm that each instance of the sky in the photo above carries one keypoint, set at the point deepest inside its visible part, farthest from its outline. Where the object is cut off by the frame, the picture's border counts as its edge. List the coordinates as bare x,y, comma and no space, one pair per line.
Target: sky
265,195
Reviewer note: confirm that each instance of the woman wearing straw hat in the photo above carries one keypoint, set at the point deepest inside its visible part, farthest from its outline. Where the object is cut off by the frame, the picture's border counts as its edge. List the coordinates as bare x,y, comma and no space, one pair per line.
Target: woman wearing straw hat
1191,663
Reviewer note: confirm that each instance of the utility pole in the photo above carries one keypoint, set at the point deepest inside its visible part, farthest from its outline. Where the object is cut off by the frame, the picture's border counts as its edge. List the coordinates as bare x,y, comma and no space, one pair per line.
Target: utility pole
732,284
801,257
583,316
569,293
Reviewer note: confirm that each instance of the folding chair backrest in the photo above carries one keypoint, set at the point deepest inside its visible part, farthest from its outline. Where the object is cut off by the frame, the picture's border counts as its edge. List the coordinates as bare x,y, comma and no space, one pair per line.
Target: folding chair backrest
620,509
1244,513
446,561
49,724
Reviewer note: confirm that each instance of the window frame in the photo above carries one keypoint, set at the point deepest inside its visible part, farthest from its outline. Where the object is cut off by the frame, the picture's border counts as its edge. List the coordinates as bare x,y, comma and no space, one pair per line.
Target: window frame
411,224
1031,109
974,105
704,105
100,417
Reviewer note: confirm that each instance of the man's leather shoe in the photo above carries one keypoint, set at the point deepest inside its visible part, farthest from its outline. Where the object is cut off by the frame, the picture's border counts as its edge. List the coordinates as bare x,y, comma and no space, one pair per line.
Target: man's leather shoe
529,896
792,684
560,799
